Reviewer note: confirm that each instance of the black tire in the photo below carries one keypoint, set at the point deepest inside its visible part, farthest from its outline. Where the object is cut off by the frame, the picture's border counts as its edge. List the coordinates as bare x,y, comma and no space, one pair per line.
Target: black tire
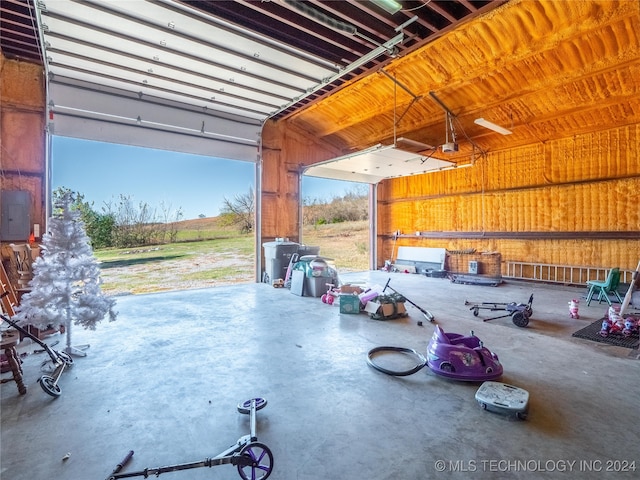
521,415
422,361
50,386
476,311
520,319
66,358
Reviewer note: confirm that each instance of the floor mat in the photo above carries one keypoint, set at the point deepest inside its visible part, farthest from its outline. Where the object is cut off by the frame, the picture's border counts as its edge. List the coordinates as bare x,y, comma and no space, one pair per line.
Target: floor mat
591,332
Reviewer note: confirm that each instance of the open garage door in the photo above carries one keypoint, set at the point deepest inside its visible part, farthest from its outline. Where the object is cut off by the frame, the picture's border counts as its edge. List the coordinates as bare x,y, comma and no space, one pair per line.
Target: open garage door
165,75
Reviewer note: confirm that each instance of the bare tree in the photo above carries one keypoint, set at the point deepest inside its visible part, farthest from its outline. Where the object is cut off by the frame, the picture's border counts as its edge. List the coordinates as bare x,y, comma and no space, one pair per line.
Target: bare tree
239,211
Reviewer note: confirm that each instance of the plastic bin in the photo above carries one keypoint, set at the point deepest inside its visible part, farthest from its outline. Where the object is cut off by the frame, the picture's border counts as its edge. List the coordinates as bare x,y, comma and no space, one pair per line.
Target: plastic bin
316,286
277,256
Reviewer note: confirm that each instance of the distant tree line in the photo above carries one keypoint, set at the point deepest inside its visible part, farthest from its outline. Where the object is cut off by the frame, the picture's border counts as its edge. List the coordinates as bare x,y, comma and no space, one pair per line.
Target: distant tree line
351,207
124,224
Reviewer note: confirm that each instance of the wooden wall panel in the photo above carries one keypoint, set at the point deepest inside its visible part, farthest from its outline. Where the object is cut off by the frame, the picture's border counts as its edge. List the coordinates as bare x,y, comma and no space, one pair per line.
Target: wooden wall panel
610,205
22,133
570,252
22,84
576,186
286,150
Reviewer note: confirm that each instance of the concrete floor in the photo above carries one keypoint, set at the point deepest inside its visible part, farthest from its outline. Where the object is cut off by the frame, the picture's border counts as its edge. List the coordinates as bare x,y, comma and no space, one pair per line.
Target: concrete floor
165,378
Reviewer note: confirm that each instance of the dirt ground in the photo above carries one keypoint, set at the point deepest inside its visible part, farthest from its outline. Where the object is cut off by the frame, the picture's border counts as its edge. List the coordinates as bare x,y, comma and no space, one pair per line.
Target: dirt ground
346,244
179,274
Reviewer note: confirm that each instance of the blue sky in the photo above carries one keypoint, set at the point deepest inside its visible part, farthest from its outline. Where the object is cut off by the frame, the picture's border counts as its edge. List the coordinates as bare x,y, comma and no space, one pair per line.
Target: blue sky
195,184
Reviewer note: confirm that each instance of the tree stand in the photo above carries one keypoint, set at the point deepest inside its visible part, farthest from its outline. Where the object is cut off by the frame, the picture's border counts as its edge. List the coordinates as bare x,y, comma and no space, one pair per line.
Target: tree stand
78,350
253,459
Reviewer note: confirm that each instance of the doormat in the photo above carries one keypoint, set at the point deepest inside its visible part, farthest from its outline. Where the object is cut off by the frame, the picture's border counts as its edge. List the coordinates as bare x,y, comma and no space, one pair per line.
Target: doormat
592,332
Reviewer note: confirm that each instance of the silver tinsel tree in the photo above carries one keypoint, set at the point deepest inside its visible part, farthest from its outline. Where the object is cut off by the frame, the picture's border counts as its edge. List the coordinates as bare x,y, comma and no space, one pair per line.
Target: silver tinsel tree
65,288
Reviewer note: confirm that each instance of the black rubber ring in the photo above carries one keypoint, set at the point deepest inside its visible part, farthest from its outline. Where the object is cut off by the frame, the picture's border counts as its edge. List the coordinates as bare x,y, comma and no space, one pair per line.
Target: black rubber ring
395,373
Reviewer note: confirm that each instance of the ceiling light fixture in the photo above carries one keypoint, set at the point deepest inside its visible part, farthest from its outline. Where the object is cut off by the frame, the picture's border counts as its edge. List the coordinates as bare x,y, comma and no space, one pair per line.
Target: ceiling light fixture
389,6
492,126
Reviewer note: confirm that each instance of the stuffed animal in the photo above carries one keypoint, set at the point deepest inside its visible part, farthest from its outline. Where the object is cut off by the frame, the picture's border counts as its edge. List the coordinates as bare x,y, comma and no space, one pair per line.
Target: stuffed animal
573,308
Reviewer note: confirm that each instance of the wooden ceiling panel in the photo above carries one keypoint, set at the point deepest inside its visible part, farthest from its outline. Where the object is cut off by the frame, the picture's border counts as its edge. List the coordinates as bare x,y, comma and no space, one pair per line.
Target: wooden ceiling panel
543,69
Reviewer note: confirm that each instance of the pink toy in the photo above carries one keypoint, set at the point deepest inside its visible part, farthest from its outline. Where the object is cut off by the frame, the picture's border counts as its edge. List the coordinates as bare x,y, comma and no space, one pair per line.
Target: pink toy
630,327
606,327
573,308
330,297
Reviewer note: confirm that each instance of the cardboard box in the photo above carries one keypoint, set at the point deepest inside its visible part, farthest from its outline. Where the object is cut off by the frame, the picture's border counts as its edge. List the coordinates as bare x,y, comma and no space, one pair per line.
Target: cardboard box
350,289
349,303
385,309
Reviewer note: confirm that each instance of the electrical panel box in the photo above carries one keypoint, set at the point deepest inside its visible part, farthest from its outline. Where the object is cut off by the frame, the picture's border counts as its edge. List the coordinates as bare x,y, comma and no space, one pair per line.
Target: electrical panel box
15,215
473,267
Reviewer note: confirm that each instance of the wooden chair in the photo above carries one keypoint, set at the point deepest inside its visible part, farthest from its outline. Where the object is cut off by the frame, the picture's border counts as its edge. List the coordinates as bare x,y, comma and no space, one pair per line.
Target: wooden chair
609,286
8,299
23,255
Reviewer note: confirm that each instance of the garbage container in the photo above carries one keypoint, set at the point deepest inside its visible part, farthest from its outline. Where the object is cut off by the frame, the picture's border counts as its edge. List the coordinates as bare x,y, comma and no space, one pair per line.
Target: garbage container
277,256
304,250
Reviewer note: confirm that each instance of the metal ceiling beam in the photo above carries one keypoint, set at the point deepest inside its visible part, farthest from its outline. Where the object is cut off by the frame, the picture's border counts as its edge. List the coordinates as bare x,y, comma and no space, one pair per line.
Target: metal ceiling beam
384,48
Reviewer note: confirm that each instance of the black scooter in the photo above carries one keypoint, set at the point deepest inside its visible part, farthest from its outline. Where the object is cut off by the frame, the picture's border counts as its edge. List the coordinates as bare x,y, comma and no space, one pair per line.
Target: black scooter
60,360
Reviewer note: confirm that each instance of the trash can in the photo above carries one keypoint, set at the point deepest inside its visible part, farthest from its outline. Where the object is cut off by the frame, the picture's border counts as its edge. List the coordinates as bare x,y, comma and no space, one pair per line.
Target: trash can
304,250
277,256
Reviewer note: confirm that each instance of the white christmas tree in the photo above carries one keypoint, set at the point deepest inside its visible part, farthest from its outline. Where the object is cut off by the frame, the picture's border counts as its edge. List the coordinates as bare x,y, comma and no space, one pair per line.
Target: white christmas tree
65,288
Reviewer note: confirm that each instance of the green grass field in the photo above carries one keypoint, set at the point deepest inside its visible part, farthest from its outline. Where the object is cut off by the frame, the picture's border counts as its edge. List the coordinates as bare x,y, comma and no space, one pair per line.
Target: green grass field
207,255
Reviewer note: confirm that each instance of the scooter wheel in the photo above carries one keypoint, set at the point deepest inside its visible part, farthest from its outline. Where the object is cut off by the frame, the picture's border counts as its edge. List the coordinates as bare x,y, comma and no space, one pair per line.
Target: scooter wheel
520,319
330,300
66,358
49,385
323,298
246,406
260,462
476,312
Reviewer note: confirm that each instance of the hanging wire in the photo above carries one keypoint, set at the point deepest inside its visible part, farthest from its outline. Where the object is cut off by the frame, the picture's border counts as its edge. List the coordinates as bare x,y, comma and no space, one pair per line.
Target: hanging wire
416,8
34,25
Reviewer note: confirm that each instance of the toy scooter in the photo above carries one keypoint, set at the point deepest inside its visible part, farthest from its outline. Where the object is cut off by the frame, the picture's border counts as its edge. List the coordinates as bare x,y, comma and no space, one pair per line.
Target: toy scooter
519,312
427,314
253,459
60,360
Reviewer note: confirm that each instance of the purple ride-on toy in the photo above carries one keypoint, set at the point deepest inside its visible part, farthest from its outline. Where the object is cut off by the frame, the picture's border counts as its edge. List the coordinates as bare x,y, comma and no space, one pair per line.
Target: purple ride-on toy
462,357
